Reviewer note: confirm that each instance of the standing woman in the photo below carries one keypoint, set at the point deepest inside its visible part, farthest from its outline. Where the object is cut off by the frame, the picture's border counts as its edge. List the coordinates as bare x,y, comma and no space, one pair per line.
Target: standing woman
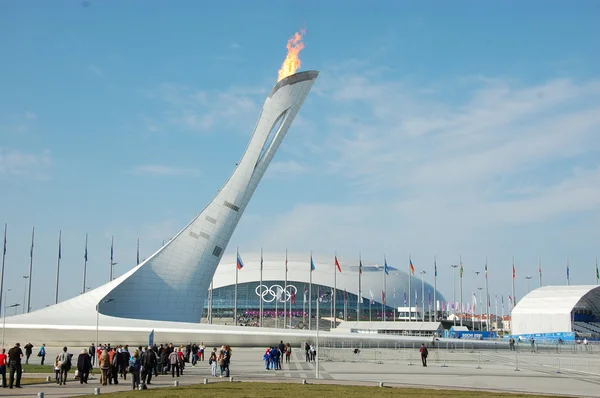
134,367
104,364
288,352
84,365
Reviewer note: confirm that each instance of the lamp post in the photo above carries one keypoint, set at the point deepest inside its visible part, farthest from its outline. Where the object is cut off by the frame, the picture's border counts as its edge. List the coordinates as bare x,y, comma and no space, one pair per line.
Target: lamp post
98,318
528,279
454,267
4,313
480,310
25,277
423,294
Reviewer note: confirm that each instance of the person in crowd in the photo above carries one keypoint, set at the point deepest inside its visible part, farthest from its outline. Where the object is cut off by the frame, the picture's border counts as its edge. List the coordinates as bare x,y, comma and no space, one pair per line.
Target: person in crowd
84,365
222,359
164,360
104,365
65,366
188,352
124,357
57,369
424,353
313,352
148,363
112,364
134,367
42,354
532,344
92,354
307,351
3,362
511,344
201,349
212,361
267,357
194,354
174,362
28,350
288,352
181,359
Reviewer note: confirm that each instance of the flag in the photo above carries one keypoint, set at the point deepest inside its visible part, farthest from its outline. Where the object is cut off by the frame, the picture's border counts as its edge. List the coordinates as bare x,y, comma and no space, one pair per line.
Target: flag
486,270
394,294
502,299
514,272
412,268
320,296
261,260
474,298
360,267
279,293
416,296
383,296
385,267
597,274
337,264
111,250
293,297
85,253
59,246
138,251
435,268
372,296
510,298
461,270
240,263
567,271
31,250
312,264
286,268
405,297
305,294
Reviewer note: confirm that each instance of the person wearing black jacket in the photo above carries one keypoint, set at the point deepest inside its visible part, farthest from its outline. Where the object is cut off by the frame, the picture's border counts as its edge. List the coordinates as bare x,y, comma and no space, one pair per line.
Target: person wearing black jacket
148,363
164,360
14,361
84,365
28,351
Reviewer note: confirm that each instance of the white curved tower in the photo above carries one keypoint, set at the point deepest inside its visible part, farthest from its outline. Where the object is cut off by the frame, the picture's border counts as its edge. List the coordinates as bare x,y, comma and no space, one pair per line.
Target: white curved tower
173,283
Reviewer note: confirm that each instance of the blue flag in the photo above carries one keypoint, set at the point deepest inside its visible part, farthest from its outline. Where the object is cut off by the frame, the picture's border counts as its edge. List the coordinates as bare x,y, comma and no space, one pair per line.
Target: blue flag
312,263
385,267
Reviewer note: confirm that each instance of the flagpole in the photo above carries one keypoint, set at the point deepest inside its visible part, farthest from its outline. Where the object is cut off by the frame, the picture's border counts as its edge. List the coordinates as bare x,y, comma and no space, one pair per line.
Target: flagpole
461,293
260,304
540,269
2,303
383,290
409,290
496,309
58,266
317,339
85,258
345,305
434,289
30,271
237,251
487,295
597,275
138,251
285,298
568,278
503,313
112,263
514,275
210,301
359,298
334,292
310,293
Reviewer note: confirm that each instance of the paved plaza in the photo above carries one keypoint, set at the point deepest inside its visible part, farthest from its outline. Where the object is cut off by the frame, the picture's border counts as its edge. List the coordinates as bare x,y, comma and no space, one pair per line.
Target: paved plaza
569,374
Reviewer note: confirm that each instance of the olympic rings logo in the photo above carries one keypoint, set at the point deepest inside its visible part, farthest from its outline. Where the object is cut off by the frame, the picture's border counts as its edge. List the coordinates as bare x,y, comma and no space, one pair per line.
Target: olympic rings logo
276,292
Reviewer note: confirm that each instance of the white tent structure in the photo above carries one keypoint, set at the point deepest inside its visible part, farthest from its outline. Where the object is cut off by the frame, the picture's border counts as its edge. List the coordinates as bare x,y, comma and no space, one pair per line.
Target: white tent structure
555,309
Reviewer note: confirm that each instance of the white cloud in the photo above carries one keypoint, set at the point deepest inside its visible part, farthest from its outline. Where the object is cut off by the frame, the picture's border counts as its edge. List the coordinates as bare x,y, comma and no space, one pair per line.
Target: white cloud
164,170
17,163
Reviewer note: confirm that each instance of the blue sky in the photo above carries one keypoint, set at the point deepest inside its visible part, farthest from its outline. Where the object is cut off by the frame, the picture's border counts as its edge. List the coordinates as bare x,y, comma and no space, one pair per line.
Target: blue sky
468,129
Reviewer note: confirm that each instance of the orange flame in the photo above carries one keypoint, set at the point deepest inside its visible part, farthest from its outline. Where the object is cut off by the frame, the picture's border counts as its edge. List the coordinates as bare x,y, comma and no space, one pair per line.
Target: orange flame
292,60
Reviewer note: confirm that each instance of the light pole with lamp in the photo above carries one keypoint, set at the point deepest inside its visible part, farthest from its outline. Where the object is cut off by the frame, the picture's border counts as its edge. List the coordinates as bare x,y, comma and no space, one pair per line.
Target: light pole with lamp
98,318
454,267
4,321
423,293
480,310
4,313
528,279
25,277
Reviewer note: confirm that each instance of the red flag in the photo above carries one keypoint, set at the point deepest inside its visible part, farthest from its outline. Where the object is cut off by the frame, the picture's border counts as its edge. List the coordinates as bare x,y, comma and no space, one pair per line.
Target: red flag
337,264
514,272
293,297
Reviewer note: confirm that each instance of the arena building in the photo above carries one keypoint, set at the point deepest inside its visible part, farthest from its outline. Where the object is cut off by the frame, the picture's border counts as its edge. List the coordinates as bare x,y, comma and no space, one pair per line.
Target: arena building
279,297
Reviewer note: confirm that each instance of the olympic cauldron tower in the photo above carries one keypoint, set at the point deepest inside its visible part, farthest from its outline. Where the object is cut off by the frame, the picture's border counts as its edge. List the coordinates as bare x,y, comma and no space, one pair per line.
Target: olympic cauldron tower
173,283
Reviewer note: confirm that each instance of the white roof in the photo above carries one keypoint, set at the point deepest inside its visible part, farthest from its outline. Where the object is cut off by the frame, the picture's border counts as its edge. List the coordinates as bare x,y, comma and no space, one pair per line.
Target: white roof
548,309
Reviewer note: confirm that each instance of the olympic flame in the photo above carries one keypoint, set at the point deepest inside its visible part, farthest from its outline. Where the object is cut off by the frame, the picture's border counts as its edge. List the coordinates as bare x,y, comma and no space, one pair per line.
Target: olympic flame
292,60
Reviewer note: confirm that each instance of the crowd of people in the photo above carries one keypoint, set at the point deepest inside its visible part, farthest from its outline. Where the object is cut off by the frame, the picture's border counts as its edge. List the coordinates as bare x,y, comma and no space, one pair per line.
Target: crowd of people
274,356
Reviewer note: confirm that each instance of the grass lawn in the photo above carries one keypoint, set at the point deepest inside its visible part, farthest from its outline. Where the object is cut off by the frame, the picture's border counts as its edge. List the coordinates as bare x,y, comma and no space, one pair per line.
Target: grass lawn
29,368
278,390
33,380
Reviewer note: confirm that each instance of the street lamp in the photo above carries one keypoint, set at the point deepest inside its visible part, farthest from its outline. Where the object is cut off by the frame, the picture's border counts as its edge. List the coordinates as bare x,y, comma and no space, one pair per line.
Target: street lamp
454,266
423,294
98,317
528,279
25,277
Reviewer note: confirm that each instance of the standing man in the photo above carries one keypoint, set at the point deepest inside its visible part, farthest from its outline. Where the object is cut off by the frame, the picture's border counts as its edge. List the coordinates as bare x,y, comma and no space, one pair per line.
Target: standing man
424,353
65,366
92,354
42,353
149,361
3,367
28,351
14,361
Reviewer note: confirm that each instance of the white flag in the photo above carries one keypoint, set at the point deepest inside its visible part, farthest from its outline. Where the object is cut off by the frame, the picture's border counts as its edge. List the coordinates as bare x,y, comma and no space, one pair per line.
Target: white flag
474,300
279,293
